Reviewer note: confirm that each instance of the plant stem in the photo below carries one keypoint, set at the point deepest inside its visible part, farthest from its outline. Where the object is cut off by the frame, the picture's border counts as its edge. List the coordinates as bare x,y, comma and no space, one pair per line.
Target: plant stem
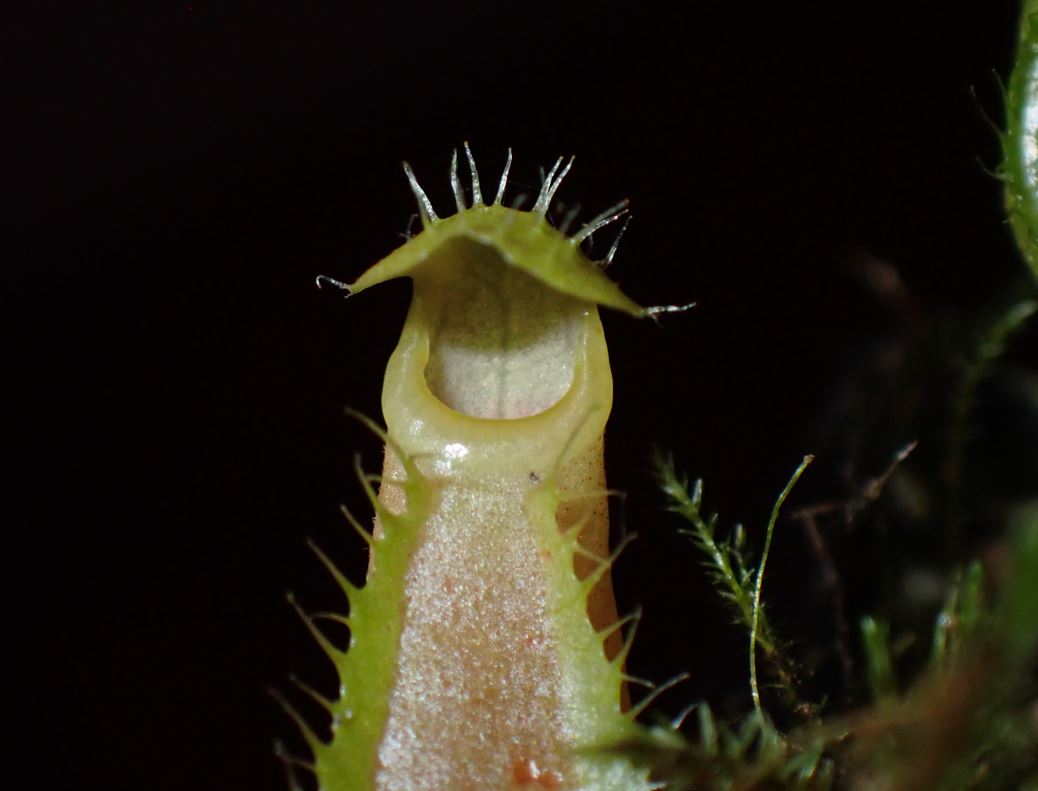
755,620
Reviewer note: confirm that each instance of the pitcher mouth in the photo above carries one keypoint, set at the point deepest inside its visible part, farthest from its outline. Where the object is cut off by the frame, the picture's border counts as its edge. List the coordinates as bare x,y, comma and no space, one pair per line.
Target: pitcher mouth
502,344
428,404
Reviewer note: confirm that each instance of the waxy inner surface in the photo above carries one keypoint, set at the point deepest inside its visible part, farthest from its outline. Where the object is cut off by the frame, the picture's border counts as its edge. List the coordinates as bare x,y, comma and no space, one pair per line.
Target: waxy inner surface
502,343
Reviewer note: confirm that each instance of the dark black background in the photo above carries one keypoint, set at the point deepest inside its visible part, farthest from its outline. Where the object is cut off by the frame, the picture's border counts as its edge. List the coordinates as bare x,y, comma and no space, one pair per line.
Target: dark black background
176,174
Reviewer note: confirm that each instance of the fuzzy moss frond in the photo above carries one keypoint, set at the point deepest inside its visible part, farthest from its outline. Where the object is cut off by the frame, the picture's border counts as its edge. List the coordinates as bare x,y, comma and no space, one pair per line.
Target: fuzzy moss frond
750,754
987,344
737,583
755,623
966,725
